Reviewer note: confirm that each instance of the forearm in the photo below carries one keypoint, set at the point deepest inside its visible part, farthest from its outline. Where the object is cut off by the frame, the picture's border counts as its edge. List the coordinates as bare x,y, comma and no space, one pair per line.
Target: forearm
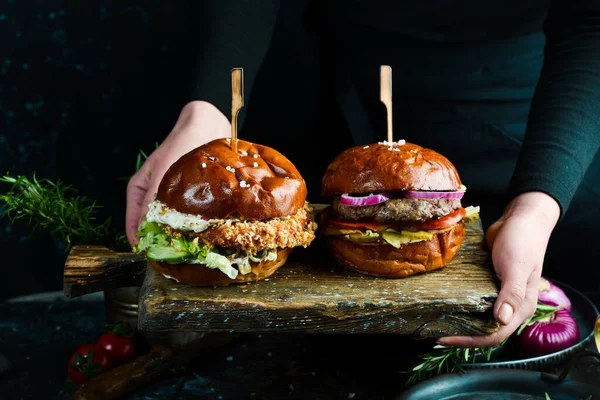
536,205
563,131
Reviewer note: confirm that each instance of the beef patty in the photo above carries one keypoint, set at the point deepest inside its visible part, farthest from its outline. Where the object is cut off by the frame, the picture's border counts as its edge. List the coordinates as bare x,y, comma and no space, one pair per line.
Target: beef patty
403,209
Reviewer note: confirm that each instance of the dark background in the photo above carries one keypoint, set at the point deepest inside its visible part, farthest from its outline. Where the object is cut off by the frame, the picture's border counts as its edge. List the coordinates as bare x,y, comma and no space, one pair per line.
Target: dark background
83,89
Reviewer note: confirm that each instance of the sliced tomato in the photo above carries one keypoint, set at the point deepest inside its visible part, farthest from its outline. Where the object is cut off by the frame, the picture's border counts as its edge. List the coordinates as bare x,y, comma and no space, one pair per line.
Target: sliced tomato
326,219
372,225
440,223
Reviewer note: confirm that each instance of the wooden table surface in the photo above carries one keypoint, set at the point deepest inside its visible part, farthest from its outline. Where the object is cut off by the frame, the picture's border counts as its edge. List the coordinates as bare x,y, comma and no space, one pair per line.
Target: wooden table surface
41,331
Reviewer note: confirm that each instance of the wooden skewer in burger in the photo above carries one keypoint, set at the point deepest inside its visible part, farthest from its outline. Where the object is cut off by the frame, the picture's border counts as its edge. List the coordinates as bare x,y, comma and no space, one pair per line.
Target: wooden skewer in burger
229,211
396,207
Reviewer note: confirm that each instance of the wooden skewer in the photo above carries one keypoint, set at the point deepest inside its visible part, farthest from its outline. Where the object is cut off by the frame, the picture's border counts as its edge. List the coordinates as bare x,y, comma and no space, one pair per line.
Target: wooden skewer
386,97
237,102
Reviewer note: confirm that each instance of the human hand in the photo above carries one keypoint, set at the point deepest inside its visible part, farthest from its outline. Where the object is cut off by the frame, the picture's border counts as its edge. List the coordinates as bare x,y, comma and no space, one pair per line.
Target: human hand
199,122
518,242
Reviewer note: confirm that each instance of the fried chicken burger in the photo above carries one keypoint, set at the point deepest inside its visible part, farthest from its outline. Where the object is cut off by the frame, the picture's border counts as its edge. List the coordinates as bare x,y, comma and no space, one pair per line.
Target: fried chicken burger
222,217
396,209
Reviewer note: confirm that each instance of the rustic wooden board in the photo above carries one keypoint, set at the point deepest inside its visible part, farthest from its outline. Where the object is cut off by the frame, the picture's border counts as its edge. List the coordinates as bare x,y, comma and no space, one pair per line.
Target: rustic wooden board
90,269
317,296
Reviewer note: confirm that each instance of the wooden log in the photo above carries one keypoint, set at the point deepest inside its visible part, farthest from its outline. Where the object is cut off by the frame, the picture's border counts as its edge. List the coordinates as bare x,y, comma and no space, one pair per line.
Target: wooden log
90,269
321,297
127,378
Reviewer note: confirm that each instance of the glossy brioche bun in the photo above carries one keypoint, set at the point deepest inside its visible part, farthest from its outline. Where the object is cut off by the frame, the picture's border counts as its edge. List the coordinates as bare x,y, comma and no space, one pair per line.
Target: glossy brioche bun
201,182
386,261
376,168
201,275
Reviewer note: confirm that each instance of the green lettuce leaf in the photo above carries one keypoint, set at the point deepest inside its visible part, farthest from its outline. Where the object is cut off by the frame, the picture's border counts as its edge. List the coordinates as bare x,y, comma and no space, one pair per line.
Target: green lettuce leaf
159,246
215,260
147,227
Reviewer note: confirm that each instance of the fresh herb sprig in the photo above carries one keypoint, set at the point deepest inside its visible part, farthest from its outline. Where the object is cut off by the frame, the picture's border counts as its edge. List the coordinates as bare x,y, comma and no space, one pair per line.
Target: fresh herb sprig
139,161
449,358
542,311
445,359
55,207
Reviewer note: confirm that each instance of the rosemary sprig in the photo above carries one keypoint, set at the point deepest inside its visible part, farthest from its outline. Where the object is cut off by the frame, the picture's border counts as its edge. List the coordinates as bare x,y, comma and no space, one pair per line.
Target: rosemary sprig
445,359
54,207
139,161
449,359
141,158
542,311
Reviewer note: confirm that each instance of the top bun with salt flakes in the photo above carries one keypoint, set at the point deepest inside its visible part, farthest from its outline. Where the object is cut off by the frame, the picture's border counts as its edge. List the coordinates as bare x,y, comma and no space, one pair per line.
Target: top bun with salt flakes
385,166
256,182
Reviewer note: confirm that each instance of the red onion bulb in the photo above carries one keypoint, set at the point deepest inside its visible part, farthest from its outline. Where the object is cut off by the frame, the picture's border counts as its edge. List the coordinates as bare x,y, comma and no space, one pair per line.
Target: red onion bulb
555,333
549,293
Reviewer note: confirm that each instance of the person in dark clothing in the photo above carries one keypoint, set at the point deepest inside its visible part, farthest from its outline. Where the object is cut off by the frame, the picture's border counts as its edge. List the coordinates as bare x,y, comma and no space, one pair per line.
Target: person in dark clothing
507,90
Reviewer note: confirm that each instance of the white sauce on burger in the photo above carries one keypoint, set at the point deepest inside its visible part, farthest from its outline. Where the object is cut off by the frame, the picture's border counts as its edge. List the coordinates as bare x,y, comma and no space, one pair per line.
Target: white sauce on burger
159,212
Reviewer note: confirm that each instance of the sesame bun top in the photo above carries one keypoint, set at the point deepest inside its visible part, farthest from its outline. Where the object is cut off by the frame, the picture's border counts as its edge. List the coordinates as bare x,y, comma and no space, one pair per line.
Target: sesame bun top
385,166
213,181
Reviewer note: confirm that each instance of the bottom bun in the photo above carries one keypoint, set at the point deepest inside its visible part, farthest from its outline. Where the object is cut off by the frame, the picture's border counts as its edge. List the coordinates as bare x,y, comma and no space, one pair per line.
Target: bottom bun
388,261
200,275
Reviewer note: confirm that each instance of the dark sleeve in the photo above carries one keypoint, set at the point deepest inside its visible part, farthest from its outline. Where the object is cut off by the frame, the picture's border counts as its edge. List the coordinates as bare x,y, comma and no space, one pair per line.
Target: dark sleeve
563,130
232,34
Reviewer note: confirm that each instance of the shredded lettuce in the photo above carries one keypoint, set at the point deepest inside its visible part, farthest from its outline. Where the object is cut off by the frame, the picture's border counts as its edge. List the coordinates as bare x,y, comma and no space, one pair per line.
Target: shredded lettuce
258,256
243,264
148,227
215,260
159,246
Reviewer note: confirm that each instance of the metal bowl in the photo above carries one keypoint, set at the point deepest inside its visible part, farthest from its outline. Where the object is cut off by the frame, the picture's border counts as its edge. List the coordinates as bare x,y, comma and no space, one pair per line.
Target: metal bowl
597,333
508,356
498,385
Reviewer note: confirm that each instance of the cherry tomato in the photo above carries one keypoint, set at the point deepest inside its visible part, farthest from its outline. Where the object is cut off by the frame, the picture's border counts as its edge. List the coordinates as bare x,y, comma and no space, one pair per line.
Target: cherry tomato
119,348
86,362
117,342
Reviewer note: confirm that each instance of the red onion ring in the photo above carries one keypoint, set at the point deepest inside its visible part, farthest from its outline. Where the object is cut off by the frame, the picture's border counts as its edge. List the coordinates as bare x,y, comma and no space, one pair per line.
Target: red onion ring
361,201
549,293
458,194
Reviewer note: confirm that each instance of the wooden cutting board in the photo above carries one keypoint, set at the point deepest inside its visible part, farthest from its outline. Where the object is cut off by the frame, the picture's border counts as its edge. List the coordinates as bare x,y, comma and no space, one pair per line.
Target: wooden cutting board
314,295
309,294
